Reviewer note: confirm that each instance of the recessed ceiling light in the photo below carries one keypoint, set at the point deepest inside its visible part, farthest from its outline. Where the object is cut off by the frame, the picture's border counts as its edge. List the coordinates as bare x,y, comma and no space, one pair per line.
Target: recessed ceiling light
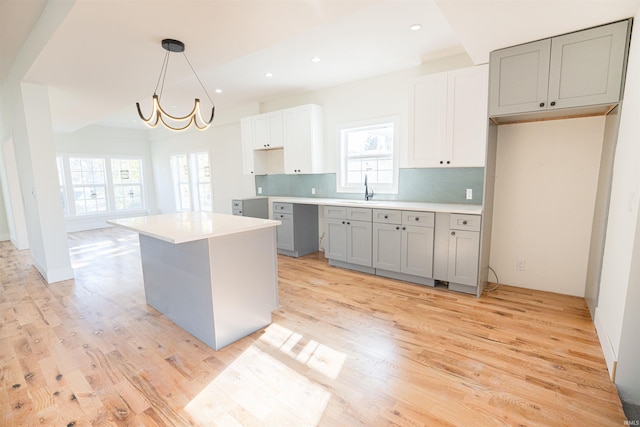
415,27
268,74
315,59
218,91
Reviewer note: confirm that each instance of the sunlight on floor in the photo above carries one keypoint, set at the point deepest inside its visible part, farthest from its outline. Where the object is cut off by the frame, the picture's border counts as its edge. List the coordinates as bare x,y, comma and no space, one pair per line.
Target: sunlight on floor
82,255
257,388
317,356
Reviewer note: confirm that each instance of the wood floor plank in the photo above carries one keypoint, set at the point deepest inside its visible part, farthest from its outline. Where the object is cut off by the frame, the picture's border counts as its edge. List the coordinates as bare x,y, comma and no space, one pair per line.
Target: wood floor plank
344,349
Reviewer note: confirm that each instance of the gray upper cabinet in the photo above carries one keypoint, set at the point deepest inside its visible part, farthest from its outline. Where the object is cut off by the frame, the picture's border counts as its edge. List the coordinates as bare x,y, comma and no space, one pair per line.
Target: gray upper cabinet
580,69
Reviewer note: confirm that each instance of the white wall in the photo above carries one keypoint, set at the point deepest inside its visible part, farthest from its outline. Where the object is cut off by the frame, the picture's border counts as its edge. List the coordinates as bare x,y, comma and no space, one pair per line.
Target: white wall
225,153
546,180
378,96
617,283
108,141
4,224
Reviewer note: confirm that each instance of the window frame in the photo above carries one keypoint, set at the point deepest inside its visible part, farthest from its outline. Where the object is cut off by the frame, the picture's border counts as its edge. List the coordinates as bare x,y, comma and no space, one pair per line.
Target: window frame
342,174
67,185
194,185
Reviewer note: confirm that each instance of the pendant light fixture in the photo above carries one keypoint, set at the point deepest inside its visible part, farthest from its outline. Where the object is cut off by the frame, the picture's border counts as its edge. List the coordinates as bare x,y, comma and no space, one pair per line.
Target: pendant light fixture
159,114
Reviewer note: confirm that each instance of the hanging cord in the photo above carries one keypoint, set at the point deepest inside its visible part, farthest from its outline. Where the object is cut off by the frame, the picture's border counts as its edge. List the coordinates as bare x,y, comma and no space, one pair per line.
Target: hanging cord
163,75
199,81
497,282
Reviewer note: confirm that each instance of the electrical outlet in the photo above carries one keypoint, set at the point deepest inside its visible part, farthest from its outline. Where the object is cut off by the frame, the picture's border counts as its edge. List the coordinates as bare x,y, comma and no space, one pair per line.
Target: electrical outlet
313,190
259,190
469,194
521,264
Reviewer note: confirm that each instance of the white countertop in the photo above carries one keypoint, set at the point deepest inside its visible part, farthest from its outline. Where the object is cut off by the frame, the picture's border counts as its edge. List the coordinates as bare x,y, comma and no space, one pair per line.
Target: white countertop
189,226
384,204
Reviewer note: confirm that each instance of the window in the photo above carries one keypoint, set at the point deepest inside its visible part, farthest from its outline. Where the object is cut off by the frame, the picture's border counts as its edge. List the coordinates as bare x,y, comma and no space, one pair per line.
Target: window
88,180
192,181
99,185
369,149
126,176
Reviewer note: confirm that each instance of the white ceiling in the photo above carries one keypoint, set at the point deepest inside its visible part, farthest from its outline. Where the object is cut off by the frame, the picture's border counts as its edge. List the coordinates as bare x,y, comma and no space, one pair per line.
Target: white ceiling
106,55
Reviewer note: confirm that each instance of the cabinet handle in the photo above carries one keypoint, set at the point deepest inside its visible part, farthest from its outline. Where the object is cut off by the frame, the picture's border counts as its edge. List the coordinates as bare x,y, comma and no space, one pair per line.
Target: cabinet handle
448,162
417,219
453,233
344,222
348,223
386,216
441,162
404,228
542,104
464,222
398,228
553,103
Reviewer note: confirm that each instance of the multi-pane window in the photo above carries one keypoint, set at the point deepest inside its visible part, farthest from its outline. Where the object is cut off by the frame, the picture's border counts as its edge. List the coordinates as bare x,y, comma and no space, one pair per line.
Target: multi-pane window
88,179
192,181
204,181
180,170
97,185
126,176
368,149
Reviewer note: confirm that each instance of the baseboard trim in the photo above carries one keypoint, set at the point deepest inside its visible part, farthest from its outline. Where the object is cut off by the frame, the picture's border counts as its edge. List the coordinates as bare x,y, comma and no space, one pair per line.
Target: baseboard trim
607,349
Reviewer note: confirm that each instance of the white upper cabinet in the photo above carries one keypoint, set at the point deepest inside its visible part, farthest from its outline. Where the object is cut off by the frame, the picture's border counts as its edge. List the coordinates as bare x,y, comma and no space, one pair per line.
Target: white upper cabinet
253,163
267,130
449,119
580,69
303,141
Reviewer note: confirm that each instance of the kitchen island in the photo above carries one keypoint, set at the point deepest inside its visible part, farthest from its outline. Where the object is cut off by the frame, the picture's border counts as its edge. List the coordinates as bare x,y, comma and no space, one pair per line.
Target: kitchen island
214,275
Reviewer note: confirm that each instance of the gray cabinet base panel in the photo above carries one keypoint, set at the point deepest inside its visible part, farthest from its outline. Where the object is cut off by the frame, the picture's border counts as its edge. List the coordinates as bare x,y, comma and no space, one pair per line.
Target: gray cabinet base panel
463,288
405,277
349,266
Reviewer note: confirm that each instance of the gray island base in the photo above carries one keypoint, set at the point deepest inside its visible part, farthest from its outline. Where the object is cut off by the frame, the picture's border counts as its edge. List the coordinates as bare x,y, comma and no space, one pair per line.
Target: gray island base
220,284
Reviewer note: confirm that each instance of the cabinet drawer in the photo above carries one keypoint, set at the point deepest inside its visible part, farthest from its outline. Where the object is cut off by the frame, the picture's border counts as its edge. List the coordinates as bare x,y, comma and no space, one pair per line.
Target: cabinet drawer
418,219
464,222
387,216
338,212
282,207
236,204
359,214
237,212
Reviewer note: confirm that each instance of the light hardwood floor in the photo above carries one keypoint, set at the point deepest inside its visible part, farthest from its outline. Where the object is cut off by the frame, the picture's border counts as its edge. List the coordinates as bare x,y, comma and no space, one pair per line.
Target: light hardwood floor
344,349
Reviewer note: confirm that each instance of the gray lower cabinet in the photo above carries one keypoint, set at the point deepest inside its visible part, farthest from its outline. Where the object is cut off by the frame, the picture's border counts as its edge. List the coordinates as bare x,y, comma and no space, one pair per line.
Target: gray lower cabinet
457,251
298,233
403,245
348,241
255,207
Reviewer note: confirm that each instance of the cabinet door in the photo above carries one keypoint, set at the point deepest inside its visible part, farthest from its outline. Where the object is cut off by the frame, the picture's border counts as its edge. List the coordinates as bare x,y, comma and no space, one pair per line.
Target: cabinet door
359,242
587,66
253,163
267,130
428,114
467,104
519,78
336,239
417,251
464,247
285,232
276,134
387,240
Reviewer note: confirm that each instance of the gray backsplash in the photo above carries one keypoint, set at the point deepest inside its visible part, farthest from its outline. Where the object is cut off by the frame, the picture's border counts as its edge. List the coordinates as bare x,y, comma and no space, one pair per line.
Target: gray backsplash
431,185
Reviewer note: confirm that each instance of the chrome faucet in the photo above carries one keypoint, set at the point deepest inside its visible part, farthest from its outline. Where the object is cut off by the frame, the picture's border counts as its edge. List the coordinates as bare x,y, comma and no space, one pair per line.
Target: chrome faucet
367,195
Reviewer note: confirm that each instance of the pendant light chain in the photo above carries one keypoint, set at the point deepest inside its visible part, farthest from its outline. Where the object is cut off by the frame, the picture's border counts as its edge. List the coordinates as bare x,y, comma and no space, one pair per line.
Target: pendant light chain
196,74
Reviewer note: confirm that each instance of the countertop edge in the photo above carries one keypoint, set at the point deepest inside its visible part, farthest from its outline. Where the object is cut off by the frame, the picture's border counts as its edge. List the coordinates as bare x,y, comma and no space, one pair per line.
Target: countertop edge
384,204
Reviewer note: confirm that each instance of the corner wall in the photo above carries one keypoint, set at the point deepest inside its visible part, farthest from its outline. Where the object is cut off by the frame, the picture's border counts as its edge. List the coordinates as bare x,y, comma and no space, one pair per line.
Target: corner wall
545,187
